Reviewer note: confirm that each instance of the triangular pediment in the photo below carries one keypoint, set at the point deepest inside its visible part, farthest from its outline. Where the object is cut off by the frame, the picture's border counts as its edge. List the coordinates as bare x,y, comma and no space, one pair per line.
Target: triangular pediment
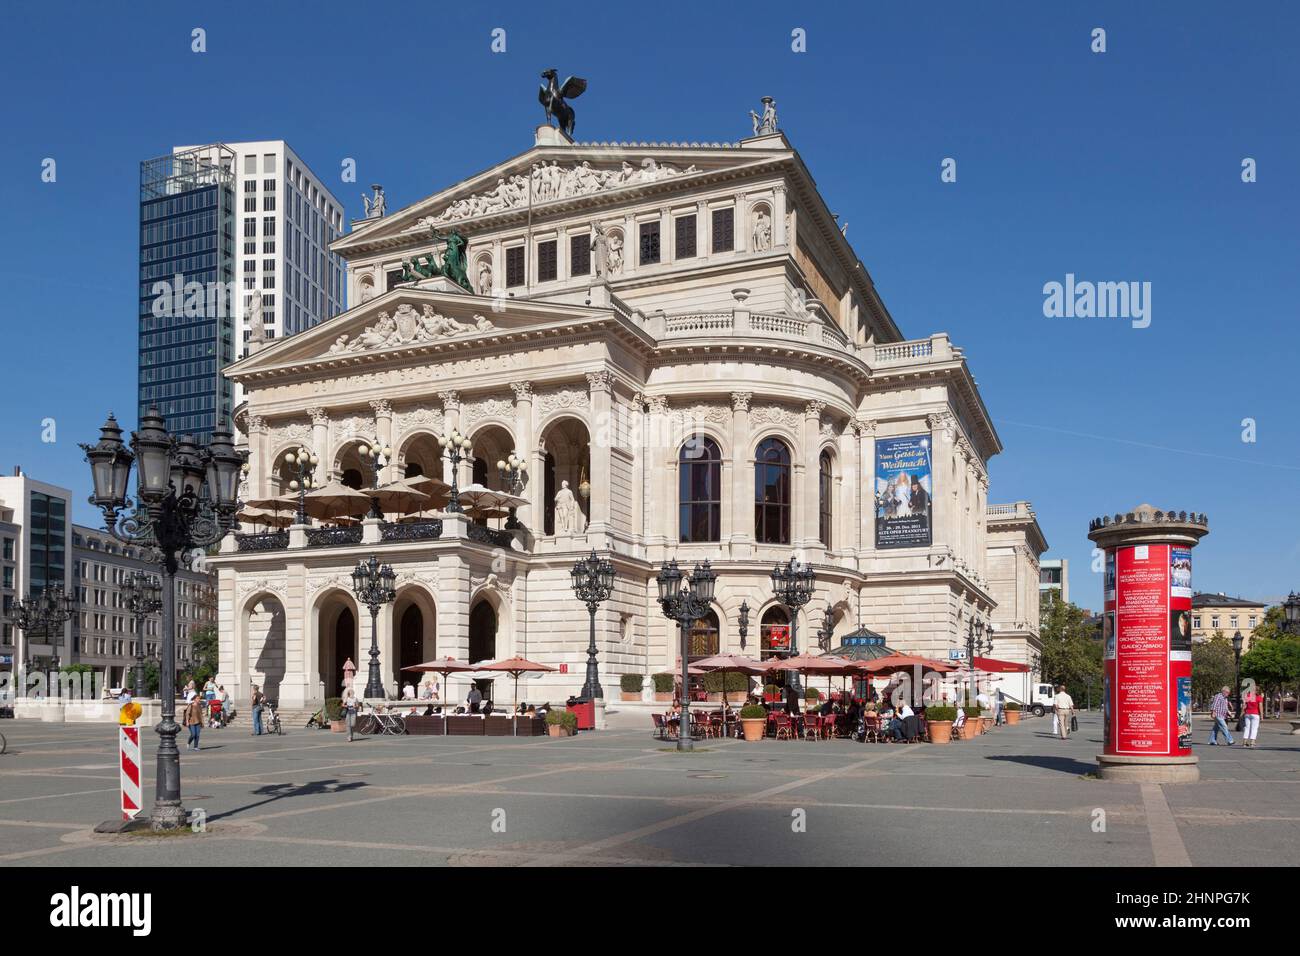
554,179
411,320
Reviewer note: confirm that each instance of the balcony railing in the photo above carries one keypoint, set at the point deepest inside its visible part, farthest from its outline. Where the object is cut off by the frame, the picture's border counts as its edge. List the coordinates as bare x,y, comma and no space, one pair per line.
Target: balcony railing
412,531
333,537
267,541
485,535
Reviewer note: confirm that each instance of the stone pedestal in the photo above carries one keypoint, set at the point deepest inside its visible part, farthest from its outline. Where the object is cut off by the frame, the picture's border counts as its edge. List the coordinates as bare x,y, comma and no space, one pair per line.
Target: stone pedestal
1143,769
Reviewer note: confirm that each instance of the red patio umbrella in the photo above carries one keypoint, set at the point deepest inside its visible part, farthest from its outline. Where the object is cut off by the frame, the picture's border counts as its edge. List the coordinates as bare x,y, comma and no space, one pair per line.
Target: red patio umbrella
443,666
516,666
729,663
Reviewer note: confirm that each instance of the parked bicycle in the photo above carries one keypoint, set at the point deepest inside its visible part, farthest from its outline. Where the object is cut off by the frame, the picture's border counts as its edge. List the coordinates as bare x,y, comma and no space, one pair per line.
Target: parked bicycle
270,719
380,723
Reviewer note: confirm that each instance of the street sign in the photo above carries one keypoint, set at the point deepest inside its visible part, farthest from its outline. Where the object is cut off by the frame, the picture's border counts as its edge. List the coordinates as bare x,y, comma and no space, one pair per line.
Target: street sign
956,653
129,745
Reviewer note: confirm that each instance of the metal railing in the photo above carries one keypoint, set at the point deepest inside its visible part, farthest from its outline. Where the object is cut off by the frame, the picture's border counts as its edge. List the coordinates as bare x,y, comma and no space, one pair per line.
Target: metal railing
333,537
266,541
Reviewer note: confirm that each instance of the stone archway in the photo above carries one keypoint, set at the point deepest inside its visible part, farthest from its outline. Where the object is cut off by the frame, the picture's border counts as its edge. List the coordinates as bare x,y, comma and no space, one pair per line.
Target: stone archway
415,629
566,454
482,632
264,632
337,642
420,454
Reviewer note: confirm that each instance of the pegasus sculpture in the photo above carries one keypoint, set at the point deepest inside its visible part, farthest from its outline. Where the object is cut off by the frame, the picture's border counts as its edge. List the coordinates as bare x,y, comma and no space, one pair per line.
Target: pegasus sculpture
552,95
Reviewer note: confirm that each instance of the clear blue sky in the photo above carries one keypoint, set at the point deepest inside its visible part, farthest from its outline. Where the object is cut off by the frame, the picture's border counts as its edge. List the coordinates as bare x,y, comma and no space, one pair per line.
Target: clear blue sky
1115,167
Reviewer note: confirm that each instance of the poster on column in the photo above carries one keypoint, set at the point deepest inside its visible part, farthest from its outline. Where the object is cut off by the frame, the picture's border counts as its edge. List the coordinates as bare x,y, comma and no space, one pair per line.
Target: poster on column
904,492
1143,692
1180,573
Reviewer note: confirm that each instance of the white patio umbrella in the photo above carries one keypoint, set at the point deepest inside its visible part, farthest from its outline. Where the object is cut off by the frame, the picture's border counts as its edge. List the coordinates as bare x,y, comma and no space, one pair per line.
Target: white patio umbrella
336,500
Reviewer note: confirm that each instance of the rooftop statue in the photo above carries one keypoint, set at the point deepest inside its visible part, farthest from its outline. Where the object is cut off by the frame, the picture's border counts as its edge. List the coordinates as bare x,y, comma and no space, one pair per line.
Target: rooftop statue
376,206
552,96
767,122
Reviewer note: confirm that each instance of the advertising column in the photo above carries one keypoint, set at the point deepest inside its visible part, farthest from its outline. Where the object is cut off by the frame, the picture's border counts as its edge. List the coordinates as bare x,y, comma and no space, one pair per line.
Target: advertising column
1147,649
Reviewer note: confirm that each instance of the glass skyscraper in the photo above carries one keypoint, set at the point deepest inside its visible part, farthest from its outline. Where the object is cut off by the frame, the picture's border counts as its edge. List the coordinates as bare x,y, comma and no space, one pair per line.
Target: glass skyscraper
187,262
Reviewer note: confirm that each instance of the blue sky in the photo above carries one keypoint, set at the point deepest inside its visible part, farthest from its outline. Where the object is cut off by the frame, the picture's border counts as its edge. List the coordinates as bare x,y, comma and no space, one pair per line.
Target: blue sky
1119,166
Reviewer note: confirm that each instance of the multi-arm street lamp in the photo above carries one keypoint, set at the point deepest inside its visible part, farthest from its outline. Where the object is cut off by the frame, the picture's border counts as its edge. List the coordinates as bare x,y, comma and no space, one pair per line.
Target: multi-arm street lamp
304,463
372,583
685,605
40,614
456,447
512,471
593,582
976,644
792,585
743,621
143,595
186,498
376,457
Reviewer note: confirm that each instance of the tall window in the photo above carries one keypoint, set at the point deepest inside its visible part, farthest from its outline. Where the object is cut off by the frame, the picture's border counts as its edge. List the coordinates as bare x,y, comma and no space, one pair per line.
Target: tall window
684,237
649,243
724,238
699,490
824,498
772,492
580,255
515,266
547,264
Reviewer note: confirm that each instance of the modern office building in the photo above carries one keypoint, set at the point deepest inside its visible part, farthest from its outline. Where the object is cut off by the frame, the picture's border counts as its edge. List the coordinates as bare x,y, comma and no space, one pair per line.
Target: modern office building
35,527
227,229
1054,579
104,630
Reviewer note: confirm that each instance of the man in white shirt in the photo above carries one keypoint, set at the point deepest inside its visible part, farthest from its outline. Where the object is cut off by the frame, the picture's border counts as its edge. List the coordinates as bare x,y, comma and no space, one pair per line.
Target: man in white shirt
1064,709
408,691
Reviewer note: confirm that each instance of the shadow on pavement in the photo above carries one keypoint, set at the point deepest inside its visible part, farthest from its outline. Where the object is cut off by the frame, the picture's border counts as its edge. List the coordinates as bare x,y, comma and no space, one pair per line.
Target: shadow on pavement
1048,762
283,791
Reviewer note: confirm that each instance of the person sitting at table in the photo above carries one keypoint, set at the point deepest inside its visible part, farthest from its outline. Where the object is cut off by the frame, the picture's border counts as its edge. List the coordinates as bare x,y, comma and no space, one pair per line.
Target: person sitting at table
828,707
853,711
408,691
959,719
896,725
487,708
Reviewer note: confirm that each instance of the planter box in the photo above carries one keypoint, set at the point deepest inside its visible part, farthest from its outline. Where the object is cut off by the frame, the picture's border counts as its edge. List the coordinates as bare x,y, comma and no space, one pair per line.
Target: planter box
629,695
1013,716
753,727
338,726
555,730
662,698
940,731
968,729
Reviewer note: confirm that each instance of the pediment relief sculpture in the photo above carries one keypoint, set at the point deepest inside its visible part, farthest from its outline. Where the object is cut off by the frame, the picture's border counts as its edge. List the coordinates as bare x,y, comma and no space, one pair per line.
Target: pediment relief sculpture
552,181
405,326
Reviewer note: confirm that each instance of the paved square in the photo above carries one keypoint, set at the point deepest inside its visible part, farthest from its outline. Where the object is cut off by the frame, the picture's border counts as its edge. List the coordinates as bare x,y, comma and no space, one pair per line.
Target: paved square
1013,797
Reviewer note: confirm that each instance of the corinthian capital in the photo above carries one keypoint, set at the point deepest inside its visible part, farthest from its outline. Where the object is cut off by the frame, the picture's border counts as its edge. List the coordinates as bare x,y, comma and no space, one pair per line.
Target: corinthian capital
450,400
740,401
599,381
382,407
319,416
523,391
813,409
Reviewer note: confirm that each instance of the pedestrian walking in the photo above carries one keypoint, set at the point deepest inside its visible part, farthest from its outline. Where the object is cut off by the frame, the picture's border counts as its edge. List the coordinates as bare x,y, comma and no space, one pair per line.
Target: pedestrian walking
1250,711
1063,705
350,709
1219,710
999,708
259,699
194,721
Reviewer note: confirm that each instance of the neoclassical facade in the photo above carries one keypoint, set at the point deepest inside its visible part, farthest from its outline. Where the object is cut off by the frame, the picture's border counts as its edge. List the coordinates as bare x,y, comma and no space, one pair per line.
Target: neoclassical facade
681,334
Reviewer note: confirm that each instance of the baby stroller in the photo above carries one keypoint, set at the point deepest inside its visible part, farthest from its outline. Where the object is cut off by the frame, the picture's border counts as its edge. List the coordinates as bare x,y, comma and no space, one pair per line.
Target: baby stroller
216,715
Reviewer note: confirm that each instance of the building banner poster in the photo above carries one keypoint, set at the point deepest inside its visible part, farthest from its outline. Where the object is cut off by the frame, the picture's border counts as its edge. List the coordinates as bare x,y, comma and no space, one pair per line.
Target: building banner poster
1145,717
1180,573
904,492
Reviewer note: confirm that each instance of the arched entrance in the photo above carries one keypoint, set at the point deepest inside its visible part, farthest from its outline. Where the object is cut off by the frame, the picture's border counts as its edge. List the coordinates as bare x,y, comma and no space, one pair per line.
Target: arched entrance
337,642
414,634
774,641
266,648
482,632
421,455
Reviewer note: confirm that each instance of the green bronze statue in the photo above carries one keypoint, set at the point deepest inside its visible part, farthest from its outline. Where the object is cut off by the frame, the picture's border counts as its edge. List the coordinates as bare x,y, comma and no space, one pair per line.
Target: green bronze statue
454,266
419,268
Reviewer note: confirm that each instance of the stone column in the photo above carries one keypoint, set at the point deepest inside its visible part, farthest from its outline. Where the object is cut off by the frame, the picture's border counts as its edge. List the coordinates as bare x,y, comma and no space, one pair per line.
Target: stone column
298,687
742,478
943,522
383,410
1147,644
658,509
320,438
261,468
450,421
526,449
637,442
779,237
703,229
804,513
740,223
601,437
631,245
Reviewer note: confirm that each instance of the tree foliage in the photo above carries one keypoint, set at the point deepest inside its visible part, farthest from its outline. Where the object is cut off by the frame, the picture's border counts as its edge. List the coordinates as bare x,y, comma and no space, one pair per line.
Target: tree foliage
1212,668
1071,649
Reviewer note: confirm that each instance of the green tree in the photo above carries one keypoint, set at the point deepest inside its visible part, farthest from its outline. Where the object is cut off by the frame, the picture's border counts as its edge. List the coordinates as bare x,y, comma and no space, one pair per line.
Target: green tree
1212,668
203,642
1071,651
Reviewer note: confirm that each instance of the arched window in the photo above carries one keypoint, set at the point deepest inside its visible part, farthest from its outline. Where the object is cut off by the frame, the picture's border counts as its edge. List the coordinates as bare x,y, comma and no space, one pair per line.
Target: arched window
352,478
774,633
824,499
699,490
701,641
772,492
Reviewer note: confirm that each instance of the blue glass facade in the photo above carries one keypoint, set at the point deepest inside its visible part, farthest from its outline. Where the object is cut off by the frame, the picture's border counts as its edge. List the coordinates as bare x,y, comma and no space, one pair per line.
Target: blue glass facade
186,283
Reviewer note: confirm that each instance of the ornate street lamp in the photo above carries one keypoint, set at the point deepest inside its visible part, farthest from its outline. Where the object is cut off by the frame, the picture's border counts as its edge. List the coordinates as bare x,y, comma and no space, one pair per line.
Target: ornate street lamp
40,614
685,605
1236,669
975,646
186,498
744,623
593,582
143,595
512,470
1291,613
376,457
792,586
456,447
304,463
372,583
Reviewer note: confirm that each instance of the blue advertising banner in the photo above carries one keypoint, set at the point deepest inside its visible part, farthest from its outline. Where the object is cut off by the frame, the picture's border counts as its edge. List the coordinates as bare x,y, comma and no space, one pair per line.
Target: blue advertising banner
904,492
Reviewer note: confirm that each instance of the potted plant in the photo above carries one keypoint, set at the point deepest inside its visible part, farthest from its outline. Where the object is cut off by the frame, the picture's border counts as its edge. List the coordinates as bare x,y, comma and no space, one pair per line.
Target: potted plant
753,720
630,686
971,728
664,685
334,714
1013,713
561,723
733,683
938,720
812,695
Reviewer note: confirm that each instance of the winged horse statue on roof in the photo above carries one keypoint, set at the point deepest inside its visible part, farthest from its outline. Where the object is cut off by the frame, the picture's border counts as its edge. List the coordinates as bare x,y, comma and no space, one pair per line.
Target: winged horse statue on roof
552,95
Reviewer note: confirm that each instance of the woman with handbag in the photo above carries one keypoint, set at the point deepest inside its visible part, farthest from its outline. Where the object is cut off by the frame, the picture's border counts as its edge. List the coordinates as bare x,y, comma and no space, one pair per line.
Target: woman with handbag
1250,712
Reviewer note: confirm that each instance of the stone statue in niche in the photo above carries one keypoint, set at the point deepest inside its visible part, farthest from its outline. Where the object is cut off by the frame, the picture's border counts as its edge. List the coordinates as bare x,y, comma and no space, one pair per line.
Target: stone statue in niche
566,510
484,278
599,253
762,231
615,253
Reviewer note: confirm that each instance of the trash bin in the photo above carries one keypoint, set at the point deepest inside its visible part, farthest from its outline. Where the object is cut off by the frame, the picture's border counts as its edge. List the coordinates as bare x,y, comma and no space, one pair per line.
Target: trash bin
585,710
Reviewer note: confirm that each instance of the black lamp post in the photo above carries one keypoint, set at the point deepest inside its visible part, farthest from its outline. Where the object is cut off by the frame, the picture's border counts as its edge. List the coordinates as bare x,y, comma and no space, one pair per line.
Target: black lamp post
1291,613
376,457
685,605
744,623
593,582
512,470
143,596
1236,670
372,583
975,645
186,497
792,586
40,614
304,463
456,447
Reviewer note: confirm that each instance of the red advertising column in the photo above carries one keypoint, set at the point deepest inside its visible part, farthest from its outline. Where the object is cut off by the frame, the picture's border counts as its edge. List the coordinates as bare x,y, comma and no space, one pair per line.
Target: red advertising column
1147,644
